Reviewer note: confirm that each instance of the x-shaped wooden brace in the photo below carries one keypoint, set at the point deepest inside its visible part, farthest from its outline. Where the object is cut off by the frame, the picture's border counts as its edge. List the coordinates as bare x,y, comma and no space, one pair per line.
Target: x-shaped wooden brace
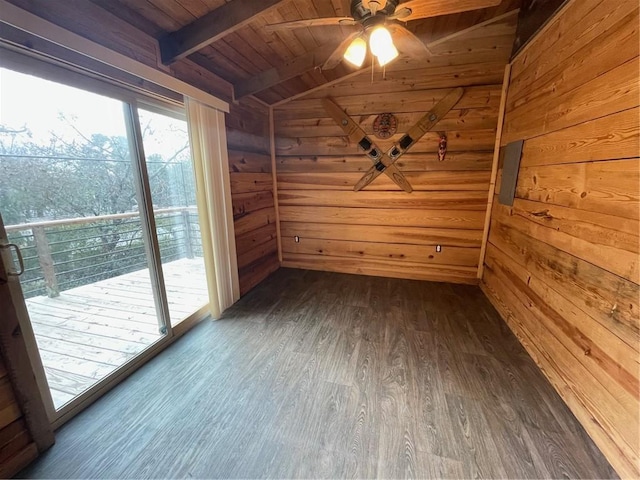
384,162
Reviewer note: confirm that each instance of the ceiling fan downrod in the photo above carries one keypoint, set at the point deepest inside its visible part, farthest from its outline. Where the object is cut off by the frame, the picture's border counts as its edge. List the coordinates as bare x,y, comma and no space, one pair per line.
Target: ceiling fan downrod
374,5
363,9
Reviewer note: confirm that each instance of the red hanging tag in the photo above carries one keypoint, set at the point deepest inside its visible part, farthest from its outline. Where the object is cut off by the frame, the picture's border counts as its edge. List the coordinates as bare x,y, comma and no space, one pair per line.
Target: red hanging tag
442,147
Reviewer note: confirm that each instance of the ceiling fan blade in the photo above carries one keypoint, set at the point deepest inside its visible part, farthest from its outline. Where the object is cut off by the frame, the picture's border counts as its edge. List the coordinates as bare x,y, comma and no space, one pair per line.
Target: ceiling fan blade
407,43
433,8
400,14
310,22
336,57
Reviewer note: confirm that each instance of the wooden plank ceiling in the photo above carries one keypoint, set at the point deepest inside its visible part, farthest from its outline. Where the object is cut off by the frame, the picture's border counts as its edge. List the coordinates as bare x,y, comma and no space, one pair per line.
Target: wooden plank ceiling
244,53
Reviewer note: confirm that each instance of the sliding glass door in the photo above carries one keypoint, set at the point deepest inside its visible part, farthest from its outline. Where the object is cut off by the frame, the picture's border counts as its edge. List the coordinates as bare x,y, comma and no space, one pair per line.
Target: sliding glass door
109,239
171,178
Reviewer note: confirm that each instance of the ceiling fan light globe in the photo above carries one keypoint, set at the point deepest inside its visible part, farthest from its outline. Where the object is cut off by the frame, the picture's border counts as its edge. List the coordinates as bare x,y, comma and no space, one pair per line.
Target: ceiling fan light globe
380,42
387,56
382,46
356,52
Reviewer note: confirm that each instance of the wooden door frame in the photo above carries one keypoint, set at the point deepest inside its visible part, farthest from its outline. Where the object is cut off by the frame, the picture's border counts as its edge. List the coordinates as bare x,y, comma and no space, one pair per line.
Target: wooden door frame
14,348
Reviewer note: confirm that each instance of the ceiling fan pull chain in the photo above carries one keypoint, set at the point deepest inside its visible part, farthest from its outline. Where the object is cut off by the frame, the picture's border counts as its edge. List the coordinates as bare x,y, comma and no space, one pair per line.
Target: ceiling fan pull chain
373,64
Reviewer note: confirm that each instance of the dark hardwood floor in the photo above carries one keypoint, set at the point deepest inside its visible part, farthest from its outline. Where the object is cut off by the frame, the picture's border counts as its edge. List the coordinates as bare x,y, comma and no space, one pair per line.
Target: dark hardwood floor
321,375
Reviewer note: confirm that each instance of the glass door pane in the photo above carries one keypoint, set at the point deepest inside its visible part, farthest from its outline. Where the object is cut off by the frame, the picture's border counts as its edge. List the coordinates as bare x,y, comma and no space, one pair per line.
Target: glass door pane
171,178
69,200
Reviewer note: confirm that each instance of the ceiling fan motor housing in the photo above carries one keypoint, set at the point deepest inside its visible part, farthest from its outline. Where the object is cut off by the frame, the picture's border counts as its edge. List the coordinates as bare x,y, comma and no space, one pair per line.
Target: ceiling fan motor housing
360,10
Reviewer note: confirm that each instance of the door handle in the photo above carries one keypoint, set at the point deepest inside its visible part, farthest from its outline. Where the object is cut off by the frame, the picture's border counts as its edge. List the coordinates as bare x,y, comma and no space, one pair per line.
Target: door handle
15,247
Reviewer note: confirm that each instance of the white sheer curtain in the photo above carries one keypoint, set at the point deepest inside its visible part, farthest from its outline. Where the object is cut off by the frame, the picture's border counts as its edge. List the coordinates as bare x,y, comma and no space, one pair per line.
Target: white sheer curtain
213,196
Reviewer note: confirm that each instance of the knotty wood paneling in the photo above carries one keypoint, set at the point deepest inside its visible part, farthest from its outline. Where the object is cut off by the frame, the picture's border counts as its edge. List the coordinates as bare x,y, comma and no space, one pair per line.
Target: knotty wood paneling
17,448
252,194
454,180
562,263
433,233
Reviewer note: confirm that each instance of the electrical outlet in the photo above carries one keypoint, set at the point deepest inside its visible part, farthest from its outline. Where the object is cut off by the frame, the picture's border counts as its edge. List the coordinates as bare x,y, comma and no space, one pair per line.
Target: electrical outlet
438,248
296,239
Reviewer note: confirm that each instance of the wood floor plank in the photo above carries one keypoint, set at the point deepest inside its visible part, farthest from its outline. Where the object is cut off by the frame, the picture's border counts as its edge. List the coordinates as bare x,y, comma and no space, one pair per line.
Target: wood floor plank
82,338
63,322
326,375
481,458
76,365
83,352
66,382
363,424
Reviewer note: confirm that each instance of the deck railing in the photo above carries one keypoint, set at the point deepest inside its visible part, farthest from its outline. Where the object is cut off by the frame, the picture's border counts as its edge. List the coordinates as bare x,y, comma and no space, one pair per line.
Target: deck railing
68,253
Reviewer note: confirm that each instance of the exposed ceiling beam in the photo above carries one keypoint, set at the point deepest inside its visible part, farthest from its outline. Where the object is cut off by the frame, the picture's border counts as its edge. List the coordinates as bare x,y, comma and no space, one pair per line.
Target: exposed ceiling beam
324,85
466,31
211,27
291,69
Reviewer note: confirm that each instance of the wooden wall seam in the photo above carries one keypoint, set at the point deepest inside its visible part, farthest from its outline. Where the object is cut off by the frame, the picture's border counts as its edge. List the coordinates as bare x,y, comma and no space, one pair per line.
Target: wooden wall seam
274,172
494,167
252,190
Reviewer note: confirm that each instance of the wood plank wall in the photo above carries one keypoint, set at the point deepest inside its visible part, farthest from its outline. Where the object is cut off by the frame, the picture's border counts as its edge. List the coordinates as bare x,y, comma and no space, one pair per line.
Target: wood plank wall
382,230
252,193
17,448
562,263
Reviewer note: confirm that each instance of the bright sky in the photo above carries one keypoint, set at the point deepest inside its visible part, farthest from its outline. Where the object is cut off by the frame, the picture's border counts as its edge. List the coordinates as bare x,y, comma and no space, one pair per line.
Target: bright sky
36,103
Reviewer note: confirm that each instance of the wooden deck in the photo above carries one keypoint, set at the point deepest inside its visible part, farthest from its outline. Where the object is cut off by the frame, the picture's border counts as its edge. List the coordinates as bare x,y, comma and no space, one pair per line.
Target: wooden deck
87,332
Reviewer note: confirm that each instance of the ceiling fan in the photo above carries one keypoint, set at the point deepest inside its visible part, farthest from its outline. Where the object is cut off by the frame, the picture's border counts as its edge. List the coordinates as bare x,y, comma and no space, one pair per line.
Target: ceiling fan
381,23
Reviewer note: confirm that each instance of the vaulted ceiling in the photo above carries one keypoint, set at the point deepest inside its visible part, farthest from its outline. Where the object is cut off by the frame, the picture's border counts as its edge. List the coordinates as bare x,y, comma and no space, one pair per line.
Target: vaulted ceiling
229,38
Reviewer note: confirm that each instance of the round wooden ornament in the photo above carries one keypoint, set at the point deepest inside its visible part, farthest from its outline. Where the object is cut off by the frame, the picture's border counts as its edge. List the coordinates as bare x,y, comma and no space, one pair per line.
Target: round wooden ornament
385,125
